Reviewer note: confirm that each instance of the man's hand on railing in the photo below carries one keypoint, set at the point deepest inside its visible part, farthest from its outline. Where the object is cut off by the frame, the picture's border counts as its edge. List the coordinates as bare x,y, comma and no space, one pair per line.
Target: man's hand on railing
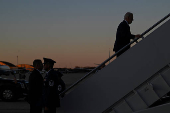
137,36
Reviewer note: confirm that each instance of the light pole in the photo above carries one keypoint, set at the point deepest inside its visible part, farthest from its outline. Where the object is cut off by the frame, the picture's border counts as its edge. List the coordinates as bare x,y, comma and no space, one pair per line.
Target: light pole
17,60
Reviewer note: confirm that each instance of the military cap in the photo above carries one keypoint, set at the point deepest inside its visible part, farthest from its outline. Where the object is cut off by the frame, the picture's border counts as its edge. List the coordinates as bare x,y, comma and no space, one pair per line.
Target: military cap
47,60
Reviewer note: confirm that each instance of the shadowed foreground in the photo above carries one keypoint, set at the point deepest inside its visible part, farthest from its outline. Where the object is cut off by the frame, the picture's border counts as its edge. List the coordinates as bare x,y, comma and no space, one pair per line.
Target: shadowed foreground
21,106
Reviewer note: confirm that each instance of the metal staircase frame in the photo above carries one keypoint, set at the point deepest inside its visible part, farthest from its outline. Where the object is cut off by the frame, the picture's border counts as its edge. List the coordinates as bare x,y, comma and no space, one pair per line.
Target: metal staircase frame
135,40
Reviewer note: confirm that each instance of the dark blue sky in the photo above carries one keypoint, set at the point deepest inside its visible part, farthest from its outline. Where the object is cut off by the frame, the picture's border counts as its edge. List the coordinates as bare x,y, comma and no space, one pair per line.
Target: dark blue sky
72,32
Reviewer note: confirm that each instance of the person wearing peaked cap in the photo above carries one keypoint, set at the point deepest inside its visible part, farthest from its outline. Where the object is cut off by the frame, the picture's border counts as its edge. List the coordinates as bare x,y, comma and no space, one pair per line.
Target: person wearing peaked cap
51,81
47,60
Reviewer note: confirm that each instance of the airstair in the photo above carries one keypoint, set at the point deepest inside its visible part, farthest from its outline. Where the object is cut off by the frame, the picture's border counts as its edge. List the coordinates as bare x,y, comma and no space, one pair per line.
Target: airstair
133,83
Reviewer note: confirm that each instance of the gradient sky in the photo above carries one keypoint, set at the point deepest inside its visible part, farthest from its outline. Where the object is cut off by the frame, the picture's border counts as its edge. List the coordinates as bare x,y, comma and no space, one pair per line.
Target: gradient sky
72,32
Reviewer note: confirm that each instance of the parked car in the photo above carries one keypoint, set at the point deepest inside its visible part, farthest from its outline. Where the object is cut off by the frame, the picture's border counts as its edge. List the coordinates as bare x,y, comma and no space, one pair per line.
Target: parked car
11,90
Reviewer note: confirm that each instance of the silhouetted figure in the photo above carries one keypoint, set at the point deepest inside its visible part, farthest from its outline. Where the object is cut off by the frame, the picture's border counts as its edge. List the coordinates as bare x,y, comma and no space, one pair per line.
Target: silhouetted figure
36,88
123,34
51,82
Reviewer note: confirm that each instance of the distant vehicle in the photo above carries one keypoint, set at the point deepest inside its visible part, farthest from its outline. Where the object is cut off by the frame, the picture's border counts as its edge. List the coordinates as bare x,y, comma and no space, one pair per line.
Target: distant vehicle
10,90
5,70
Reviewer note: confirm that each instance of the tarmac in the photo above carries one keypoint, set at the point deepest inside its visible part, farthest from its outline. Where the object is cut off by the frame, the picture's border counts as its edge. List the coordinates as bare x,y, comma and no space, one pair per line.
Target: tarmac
21,106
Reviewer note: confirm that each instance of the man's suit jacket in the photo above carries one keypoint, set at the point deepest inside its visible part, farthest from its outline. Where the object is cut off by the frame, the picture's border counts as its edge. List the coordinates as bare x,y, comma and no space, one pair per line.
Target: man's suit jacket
35,87
123,36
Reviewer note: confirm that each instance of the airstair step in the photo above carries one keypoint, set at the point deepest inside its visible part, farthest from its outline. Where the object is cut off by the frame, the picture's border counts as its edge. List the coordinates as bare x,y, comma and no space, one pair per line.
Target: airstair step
166,76
136,102
112,111
160,86
122,107
147,93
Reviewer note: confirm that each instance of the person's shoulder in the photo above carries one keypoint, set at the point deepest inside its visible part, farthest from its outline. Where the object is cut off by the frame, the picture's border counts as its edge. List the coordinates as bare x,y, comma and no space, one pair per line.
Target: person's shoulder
57,73
52,72
34,72
123,23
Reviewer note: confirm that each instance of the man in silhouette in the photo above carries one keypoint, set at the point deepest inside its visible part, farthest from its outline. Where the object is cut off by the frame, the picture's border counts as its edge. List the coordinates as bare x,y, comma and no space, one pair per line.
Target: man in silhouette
36,88
123,34
51,82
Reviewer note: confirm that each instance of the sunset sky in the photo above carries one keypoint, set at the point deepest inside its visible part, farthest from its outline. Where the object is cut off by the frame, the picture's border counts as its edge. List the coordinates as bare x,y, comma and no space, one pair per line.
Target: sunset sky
71,32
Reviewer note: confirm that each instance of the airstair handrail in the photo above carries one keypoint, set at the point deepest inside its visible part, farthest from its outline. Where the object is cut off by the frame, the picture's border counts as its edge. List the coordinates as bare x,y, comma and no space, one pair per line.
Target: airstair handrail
155,25
95,69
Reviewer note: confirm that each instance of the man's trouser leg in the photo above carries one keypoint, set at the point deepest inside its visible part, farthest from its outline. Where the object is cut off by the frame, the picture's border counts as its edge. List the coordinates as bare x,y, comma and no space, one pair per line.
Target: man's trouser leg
35,109
50,110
